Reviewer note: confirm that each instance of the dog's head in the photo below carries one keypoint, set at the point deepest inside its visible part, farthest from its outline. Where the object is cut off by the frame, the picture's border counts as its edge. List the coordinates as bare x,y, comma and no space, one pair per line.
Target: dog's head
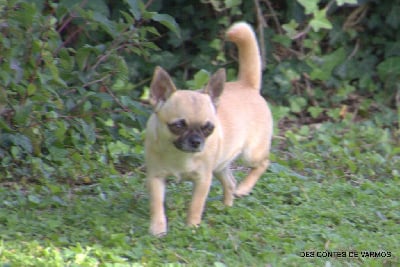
185,117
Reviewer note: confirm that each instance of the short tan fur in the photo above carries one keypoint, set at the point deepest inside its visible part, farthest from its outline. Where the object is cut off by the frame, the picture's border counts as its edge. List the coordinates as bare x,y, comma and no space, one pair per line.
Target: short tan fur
196,135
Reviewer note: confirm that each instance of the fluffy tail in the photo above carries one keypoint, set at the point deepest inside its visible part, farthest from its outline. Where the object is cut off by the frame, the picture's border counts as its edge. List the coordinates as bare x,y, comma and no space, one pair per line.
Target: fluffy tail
244,37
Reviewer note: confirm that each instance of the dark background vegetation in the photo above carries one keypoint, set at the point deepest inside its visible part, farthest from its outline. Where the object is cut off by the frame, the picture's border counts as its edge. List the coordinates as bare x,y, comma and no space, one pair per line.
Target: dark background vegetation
73,74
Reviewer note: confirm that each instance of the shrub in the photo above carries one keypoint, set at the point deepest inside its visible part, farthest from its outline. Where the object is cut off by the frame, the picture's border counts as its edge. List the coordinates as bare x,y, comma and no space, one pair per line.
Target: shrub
68,104
72,73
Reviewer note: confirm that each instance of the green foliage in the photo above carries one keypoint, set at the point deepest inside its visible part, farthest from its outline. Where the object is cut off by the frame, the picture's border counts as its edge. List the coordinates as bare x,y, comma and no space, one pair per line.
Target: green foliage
67,102
334,55
73,73
342,52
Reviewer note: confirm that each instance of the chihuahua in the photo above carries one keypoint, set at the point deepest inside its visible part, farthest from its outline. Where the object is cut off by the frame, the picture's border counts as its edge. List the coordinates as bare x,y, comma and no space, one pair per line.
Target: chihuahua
197,134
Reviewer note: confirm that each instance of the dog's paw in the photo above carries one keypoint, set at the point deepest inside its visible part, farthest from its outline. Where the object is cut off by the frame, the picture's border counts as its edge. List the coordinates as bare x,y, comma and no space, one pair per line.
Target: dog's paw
242,191
158,229
193,221
228,200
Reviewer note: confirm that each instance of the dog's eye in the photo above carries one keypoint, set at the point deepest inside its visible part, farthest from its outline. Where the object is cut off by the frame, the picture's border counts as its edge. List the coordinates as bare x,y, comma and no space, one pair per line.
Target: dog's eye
177,127
207,129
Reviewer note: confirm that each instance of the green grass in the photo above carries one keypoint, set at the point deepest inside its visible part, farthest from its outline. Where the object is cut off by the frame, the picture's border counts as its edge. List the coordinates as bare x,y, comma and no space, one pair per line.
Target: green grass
335,187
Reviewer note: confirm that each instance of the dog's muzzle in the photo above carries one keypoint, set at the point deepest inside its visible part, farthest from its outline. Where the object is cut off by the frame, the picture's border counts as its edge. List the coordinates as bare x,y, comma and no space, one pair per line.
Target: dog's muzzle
190,143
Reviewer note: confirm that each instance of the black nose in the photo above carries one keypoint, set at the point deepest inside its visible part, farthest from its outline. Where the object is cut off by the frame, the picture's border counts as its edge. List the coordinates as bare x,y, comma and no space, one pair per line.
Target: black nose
195,141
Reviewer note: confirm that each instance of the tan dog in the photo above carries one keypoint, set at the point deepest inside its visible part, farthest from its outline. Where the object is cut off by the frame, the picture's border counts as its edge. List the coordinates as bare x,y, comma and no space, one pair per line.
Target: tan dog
197,134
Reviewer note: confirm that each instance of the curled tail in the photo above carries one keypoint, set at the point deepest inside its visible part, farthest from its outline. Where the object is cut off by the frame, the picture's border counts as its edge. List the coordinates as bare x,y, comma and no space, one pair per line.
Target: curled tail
244,37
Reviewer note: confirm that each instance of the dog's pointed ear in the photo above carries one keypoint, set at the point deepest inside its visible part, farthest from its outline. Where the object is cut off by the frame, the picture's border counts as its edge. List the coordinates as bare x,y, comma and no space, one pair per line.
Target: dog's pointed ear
215,86
161,87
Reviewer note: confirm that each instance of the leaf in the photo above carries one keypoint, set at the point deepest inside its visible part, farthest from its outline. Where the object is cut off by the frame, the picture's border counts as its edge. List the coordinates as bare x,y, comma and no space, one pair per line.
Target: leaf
88,130
323,66
129,19
60,130
200,80
4,126
122,71
105,23
51,65
320,21
105,99
389,68
67,61
334,113
31,89
119,85
284,40
134,8
23,112
291,28
219,264
232,3
311,6
34,199
315,111
291,75
19,140
168,22
297,103
28,15
342,2
82,57
216,44
58,154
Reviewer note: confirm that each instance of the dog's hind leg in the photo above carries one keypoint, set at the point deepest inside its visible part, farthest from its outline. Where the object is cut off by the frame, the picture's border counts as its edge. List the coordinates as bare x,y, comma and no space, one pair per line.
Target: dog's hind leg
245,187
228,183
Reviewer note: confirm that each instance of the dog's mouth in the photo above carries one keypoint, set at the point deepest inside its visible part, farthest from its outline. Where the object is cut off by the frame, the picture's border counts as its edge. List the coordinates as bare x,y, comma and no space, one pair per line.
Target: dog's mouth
190,144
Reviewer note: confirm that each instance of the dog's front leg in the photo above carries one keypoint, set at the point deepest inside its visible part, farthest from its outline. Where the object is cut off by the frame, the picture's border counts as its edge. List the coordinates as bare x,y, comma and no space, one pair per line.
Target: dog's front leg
200,192
158,220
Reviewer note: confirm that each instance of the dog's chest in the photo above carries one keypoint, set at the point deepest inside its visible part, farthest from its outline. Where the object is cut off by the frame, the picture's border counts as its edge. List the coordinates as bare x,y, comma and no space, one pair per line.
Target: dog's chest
170,163
185,170
184,176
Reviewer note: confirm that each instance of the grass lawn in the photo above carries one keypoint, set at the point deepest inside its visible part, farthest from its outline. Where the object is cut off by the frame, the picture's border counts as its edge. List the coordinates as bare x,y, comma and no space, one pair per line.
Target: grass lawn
331,195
